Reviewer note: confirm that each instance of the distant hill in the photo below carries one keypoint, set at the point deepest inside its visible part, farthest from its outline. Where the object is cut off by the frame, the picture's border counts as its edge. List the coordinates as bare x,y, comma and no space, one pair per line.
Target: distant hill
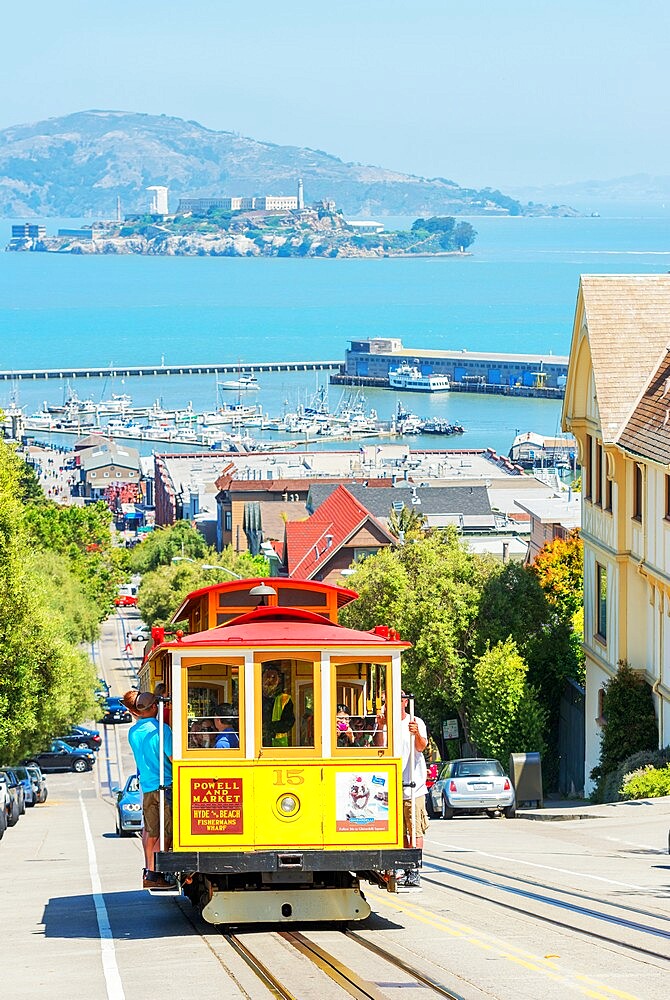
634,189
78,164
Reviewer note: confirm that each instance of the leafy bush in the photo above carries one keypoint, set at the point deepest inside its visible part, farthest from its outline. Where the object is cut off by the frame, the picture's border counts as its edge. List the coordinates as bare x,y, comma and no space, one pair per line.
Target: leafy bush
647,783
610,789
630,724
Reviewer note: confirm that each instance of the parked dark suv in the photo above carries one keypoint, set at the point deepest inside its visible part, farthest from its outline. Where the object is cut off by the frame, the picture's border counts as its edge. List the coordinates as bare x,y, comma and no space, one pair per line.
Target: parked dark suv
62,757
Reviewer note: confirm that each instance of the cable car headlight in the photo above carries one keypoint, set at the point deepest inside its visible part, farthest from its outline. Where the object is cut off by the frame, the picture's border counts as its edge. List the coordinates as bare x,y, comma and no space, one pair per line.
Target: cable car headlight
288,805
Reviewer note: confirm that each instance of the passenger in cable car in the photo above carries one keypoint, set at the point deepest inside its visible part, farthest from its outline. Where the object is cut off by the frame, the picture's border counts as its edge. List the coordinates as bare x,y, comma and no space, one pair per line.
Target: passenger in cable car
363,730
201,734
345,735
227,727
278,710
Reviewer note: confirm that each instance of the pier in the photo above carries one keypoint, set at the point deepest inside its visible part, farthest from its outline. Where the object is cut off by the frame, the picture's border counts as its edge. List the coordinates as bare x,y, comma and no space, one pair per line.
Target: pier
130,371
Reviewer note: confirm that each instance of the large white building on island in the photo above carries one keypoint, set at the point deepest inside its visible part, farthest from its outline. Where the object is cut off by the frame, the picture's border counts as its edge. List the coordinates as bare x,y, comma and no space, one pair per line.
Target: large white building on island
258,203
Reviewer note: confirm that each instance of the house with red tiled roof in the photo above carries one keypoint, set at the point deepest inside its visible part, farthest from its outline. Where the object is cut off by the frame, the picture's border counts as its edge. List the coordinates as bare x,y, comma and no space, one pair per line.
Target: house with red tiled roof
338,534
253,511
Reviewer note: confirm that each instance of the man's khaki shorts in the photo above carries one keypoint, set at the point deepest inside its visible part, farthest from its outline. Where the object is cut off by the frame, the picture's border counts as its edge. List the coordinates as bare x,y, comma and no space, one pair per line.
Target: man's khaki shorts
420,813
151,810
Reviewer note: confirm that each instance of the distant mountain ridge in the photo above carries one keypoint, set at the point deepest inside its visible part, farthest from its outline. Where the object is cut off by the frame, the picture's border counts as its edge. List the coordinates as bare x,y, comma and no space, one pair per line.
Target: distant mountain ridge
635,188
78,164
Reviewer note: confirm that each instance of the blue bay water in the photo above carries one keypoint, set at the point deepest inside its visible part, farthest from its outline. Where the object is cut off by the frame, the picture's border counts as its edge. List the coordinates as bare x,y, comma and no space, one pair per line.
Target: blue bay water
515,293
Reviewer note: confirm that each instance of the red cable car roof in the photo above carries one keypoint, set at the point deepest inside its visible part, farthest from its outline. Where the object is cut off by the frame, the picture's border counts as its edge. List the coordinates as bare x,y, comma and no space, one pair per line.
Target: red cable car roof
289,627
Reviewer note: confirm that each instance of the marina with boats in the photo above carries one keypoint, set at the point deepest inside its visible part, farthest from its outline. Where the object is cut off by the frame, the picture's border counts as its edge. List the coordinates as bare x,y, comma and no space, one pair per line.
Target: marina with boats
229,426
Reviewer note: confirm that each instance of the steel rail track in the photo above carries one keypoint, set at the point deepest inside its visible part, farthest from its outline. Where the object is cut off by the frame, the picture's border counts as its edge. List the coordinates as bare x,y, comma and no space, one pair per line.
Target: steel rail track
421,977
537,885
590,933
278,990
353,985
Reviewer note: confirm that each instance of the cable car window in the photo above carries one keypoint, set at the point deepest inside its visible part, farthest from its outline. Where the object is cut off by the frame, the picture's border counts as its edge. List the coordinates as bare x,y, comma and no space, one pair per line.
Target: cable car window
294,598
213,698
360,700
287,699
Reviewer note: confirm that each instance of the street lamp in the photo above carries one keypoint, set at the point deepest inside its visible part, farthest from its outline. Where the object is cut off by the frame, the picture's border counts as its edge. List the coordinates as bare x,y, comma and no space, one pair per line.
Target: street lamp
221,569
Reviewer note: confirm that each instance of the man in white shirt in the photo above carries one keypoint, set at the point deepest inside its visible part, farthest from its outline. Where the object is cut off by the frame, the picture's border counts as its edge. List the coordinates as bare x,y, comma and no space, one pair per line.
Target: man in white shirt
414,742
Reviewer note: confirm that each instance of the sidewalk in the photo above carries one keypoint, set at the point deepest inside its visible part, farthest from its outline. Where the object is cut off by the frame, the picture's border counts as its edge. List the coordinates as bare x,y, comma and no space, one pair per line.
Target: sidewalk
556,810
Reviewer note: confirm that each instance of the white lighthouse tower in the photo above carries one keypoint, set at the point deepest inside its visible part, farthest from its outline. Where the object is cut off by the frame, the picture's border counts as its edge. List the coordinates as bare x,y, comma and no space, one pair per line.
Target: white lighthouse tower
301,195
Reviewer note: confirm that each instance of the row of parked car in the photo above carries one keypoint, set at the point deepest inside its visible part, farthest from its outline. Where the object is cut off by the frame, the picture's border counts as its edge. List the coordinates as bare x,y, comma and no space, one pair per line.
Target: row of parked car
20,787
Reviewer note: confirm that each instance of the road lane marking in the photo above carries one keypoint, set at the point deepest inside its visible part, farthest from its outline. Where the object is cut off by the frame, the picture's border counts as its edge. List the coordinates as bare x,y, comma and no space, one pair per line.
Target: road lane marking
109,967
639,847
517,956
536,864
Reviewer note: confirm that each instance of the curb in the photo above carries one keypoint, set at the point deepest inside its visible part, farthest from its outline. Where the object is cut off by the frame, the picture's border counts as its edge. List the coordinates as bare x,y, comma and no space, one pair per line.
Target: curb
547,817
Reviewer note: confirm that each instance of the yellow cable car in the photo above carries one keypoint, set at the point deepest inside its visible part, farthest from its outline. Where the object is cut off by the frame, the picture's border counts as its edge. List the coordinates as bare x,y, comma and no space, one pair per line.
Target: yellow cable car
287,771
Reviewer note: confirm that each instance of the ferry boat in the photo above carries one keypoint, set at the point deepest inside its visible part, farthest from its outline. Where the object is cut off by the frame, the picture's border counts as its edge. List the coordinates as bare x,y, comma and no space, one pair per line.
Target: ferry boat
409,378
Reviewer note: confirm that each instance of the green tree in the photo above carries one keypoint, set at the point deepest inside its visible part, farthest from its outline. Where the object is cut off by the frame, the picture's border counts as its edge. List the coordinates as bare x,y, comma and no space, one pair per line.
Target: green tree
464,236
514,605
84,536
429,590
46,683
506,715
161,546
630,721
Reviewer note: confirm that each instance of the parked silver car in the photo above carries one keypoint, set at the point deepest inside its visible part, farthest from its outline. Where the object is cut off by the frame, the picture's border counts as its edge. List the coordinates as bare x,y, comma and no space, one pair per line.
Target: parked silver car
470,785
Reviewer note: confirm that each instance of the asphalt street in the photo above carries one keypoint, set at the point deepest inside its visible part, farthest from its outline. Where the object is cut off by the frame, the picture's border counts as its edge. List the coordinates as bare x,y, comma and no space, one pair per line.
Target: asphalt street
509,908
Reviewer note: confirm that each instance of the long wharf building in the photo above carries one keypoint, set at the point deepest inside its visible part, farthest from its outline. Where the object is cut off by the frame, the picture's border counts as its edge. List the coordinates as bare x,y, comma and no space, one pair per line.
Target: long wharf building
374,358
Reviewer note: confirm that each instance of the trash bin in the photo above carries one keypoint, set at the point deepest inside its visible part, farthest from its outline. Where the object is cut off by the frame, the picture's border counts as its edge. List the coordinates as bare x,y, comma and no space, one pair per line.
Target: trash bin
525,770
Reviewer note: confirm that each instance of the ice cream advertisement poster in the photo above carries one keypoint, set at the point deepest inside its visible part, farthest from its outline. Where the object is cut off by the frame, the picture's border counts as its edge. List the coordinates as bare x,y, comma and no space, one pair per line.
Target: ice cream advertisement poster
362,801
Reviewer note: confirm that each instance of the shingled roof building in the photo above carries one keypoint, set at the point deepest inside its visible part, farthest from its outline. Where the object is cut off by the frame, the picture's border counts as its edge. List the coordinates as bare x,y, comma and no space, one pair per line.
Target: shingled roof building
617,405
342,531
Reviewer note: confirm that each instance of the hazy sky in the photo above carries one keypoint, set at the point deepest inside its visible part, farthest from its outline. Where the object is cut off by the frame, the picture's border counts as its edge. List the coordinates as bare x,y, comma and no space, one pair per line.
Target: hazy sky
484,92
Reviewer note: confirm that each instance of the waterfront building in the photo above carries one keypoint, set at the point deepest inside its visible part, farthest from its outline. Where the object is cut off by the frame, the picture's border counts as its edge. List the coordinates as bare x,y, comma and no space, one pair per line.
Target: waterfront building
28,231
617,405
532,450
105,465
159,200
374,358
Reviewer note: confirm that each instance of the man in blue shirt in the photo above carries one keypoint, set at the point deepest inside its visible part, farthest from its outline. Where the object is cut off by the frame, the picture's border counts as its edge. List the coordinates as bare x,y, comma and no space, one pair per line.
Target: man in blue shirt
144,739
226,724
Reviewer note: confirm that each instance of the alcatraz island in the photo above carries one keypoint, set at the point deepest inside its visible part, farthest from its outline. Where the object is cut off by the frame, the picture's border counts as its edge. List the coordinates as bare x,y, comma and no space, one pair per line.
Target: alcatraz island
260,226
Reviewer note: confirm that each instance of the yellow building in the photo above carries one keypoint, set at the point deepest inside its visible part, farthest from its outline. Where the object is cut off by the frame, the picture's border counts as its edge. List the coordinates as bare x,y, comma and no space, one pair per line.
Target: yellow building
617,405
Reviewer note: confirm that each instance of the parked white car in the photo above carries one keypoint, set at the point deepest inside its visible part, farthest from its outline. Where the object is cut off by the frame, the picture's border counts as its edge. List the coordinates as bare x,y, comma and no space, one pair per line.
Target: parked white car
139,634
470,785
